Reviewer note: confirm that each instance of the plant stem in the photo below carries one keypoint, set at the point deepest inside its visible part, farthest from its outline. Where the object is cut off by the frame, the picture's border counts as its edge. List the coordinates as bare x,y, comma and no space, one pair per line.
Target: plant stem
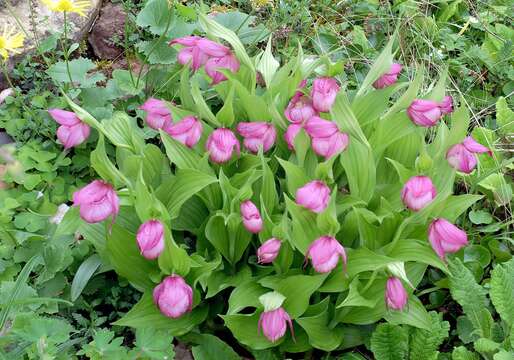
65,49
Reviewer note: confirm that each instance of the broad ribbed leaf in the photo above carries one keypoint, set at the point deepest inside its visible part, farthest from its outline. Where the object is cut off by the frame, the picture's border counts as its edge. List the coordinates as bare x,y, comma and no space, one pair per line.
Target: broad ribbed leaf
390,342
502,290
425,343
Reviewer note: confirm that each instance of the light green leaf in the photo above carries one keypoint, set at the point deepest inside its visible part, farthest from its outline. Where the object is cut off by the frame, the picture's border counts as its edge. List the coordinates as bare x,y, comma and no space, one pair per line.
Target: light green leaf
210,345
83,275
425,343
145,312
201,106
360,169
267,65
104,167
245,295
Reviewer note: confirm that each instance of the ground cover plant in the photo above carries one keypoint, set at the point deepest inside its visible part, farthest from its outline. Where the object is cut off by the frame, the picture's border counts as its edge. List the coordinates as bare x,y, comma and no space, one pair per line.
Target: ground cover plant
255,201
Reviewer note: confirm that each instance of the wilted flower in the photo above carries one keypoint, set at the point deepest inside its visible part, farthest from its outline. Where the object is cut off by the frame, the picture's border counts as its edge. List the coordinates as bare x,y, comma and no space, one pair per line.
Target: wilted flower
72,131
446,237
97,201
388,78
314,196
188,130
150,239
257,135
158,115
418,192
268,251
221,145
173,296
10,41
324,92
463,156
396,295
324,253
252,219
70,6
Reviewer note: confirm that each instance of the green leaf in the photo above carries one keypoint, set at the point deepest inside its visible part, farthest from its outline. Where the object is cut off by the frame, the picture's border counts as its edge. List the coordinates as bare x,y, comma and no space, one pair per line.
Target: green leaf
80,70
156,51
504,117
470,295
342,114
210,345
268,190
245,330
390,342
146,313
320,335
461,353
424,343
245,295
502,290
103,165
415,315
201,106
155,15
360,169
460,123
297,289
153,344
182,156
230,239
127,83
83,275
225,115
244,25
483,345
267,65
381,65
123,131
295,176
187,182
127,261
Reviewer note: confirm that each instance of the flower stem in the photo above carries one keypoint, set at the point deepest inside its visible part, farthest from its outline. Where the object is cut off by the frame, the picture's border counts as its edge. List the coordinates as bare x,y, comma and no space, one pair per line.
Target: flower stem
66,48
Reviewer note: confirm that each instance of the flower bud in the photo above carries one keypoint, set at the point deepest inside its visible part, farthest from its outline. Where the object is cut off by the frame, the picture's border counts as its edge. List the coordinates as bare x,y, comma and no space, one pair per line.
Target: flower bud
418,192
330,146
324,253
158,116
396,295
268,251
314,196
252,220
188,130
150,239
72,131
388,78
324,92
446,105
221,145
173,296
446,237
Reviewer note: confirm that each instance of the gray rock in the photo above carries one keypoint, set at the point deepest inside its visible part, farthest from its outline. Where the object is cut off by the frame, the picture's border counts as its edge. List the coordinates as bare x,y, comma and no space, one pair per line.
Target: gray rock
38,21
108,32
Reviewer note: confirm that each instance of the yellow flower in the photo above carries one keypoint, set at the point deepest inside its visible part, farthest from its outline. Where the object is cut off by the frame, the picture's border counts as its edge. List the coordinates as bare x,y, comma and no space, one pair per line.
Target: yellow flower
257,4
71,6
10,41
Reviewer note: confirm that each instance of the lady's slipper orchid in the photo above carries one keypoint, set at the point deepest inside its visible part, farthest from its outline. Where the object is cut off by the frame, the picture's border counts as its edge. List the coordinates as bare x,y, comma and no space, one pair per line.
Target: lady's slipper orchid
388,78
257,135
463,157
446,237
396,295
188,130
173,296
324,253
150,239
72,131
252,219
221,145
314,196
418,192
158,115
268,251
97,201
324,92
